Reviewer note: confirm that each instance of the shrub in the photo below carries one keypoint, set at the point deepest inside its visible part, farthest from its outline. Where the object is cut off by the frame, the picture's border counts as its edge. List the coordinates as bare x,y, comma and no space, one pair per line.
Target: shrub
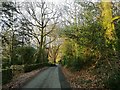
5,63
25,55
28,68
6,75
64,61
113,81
67,61
78,64
17,69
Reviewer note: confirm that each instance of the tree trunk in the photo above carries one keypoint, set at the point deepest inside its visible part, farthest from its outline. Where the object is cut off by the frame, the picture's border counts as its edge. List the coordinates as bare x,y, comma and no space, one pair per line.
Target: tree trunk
110,35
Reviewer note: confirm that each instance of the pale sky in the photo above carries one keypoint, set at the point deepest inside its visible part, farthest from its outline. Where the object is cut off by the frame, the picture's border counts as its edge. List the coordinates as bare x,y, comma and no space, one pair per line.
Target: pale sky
54,1
57,1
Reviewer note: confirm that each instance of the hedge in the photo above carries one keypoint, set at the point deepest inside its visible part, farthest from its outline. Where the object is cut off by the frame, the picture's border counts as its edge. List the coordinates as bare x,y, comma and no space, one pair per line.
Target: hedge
28,68
5,63
6,75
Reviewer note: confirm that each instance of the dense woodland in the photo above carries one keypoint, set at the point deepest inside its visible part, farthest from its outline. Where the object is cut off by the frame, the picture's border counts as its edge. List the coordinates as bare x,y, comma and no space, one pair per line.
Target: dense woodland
81,36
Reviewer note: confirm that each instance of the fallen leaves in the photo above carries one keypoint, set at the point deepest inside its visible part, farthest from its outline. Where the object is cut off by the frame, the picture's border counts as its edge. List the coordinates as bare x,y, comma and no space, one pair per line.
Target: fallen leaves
92,77
82,79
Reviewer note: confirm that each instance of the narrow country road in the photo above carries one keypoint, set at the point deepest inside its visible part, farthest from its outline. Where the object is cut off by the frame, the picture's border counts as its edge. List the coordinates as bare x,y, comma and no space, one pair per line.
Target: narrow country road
50,78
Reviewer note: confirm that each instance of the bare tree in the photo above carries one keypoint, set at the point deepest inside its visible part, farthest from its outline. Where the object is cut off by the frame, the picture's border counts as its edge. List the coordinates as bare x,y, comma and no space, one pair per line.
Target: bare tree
53,52
41,17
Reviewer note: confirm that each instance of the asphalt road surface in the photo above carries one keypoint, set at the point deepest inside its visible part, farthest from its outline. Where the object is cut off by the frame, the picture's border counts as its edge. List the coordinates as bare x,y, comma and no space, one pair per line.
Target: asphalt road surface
49,78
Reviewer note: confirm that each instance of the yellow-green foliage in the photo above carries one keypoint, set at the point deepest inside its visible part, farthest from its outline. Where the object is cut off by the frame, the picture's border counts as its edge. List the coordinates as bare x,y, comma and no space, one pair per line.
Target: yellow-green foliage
107,20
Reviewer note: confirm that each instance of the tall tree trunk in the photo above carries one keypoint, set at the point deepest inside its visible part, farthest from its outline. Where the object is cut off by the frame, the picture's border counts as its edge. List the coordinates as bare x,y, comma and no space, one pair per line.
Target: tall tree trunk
110,35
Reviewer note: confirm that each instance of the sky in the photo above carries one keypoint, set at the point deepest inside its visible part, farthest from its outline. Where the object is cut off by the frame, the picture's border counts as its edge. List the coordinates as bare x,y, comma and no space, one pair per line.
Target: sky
54,1
58,1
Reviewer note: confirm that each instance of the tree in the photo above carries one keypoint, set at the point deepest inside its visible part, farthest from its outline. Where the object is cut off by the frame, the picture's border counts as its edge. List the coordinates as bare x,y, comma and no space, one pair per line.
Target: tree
107,19
53,52
87,37
40,22
13,31
9,29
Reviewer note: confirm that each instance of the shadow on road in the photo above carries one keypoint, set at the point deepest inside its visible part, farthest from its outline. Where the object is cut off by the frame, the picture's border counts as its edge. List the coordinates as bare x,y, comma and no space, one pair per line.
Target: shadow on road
64,84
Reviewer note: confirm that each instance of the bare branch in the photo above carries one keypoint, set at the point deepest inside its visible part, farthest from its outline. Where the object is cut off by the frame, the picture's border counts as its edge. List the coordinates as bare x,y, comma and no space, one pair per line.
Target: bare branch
50,41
